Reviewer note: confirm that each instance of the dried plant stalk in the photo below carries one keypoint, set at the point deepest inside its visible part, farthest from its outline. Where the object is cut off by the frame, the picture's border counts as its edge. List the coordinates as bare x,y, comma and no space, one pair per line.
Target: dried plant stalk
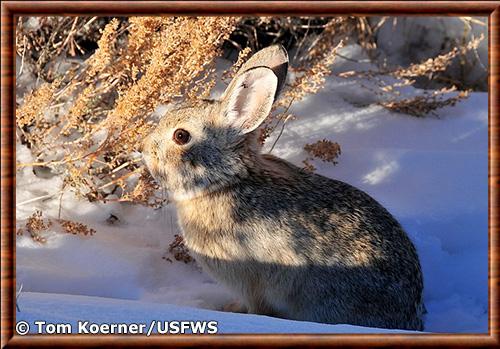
425,103
103,112
325,150
86,122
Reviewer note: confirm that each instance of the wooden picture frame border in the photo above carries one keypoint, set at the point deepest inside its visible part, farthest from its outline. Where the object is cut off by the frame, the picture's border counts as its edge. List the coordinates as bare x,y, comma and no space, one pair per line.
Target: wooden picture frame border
11,9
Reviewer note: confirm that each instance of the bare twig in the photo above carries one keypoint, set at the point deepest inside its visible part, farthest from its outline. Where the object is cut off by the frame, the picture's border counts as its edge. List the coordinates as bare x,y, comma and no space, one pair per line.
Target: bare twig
48,196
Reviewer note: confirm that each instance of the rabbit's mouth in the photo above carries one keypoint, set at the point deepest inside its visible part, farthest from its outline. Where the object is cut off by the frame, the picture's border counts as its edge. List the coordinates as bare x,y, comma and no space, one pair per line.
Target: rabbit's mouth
180,187
152,165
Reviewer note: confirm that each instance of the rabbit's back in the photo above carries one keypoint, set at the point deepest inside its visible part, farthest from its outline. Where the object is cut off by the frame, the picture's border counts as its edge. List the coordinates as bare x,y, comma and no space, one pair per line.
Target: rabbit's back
307,247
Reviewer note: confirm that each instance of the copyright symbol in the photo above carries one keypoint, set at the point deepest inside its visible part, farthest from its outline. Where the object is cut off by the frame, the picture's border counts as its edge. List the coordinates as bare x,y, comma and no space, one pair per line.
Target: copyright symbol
22,327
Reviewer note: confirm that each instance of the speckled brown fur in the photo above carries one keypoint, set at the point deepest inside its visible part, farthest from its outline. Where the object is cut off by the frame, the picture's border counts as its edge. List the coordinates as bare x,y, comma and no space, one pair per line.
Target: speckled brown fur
291,244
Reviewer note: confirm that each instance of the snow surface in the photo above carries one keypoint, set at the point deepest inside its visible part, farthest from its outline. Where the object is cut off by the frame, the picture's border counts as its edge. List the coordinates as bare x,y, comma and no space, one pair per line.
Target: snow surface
431,173
59,308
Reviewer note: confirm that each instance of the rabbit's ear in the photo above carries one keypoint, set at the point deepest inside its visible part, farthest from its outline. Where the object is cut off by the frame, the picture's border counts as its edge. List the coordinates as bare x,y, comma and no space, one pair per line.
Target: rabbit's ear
248,99
273,57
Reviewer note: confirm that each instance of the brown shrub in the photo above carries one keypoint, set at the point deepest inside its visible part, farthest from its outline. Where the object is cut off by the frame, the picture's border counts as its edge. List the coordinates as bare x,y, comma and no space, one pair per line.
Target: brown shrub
427,102
75,228
179,250
101,113
36,224
325,150
86,122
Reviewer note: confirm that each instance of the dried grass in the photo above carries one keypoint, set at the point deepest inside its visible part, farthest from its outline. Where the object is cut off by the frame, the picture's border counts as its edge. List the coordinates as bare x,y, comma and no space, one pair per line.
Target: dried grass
179,250
40,41
75,228
309,71
324,150
36,225
87,121
101,113
427,102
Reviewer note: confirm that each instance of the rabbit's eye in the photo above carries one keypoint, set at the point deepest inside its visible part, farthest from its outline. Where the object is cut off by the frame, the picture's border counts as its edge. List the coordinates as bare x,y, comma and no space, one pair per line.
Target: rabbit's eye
181,136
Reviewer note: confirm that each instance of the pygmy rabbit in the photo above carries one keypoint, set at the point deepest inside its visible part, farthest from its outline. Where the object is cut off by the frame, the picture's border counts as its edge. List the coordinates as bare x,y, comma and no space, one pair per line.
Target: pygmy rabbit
292,244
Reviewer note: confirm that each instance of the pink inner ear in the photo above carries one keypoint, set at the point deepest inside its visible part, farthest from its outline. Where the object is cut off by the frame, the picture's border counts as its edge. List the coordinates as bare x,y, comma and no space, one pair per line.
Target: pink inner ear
257,101
251,99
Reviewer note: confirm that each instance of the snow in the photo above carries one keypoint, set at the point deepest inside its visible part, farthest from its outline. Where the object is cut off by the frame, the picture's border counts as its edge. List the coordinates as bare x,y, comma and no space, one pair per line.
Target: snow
58,308
431,173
